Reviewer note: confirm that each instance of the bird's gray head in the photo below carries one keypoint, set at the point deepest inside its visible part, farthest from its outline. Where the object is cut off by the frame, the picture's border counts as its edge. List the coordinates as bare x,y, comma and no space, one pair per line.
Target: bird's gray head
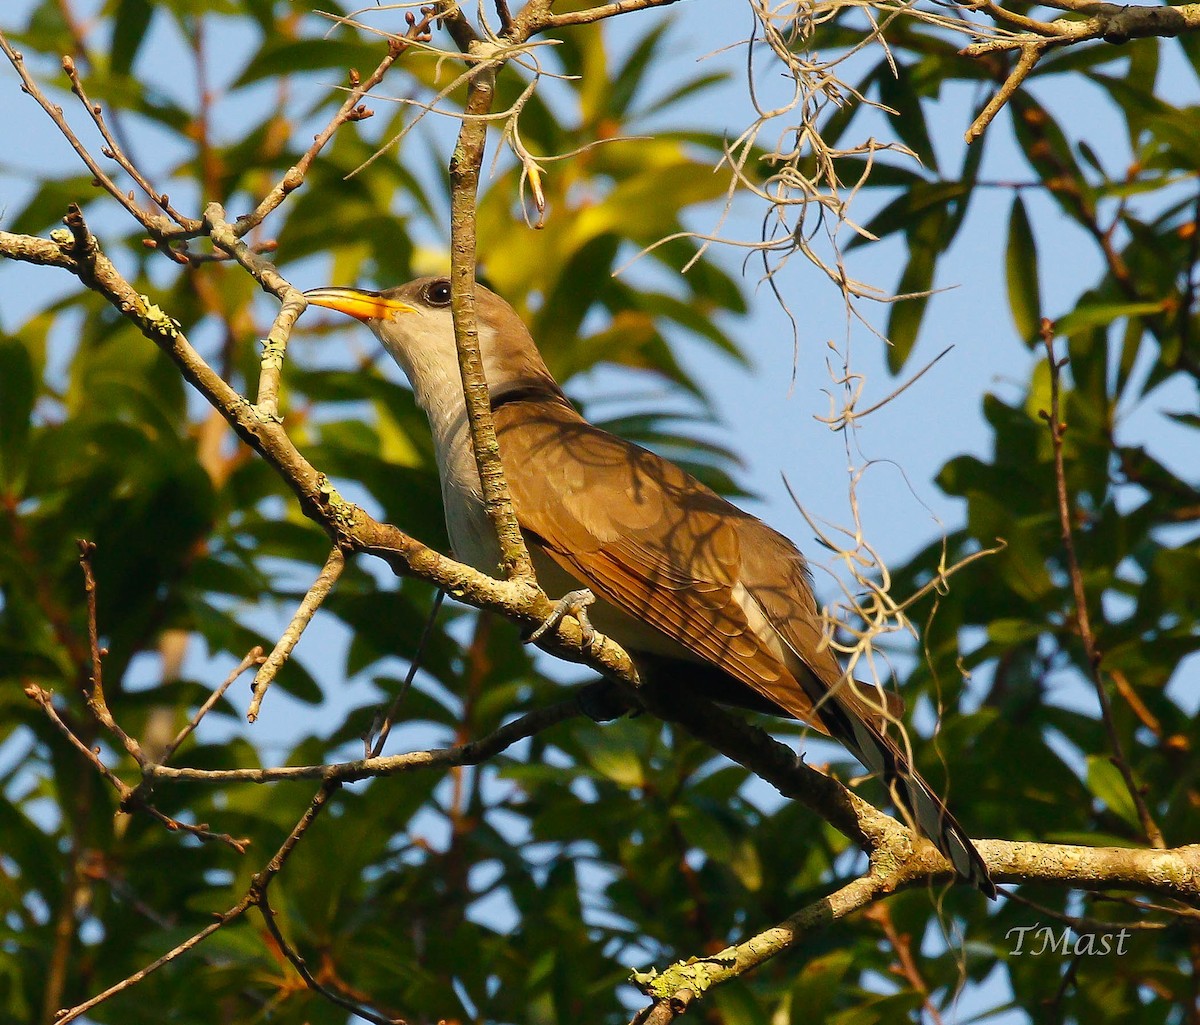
414,323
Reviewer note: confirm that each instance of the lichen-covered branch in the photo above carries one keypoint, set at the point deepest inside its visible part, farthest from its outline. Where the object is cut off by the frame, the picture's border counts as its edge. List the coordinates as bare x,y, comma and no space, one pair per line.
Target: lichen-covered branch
1114,23
465,164
1174,873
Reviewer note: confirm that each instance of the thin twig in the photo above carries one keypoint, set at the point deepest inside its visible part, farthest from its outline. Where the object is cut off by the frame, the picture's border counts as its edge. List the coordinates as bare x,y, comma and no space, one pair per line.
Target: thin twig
292,304
317,594
152,222
1082,620
70,1014
1031,53
385,727
350,110
94,691
1082,923
251,898
906,965
131,797
310,980
594,14
465,165
113,151
471,753
254,657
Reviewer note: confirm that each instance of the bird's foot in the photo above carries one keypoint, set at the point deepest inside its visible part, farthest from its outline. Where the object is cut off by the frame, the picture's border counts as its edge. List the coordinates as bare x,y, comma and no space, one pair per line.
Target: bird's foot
573,603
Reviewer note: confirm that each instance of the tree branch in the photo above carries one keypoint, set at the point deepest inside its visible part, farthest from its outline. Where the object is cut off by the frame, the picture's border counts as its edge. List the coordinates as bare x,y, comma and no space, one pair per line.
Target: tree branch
465,164
157,224
1111,22
319,591
351,110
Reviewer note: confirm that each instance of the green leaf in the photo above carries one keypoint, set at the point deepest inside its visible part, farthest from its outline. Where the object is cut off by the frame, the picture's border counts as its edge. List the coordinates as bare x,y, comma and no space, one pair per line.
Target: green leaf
896,90
1021,273
291,57
1091,314
1106,782
17,393
611,750
904,320
130,26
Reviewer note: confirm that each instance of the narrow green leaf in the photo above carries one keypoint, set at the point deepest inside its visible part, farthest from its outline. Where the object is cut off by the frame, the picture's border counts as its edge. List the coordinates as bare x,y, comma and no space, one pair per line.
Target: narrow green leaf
1021,273
293,56
905,319
613,754
1089,315
129,32
898,93
1106,782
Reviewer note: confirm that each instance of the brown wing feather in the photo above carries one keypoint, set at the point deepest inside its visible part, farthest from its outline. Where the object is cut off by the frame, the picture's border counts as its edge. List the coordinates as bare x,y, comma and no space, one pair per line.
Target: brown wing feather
783,590
671,555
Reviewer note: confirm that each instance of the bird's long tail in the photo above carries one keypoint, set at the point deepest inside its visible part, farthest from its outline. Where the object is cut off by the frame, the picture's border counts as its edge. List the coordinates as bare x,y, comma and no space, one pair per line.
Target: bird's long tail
866,733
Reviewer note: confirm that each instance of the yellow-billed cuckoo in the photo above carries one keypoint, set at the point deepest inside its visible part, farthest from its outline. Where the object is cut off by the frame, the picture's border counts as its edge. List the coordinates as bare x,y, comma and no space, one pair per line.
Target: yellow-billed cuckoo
683,580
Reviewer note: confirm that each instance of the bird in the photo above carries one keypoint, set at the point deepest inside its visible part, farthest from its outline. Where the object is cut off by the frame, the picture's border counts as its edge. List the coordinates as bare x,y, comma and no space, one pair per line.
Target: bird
692,587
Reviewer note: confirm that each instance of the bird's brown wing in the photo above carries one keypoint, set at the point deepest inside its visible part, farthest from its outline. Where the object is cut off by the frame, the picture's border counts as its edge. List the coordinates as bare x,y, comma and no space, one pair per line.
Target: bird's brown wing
669,552
654,542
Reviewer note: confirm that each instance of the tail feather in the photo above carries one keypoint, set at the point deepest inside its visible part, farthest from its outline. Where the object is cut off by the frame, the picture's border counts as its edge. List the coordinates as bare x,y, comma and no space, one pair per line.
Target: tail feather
883,756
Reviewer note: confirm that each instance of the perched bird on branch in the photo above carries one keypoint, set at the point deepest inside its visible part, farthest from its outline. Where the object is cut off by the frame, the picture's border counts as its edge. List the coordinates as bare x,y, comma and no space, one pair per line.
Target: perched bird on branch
693,588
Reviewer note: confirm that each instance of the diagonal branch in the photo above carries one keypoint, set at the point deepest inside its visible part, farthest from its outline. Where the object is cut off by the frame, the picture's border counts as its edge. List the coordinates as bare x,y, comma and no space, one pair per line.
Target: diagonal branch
319,591
350,110
255,895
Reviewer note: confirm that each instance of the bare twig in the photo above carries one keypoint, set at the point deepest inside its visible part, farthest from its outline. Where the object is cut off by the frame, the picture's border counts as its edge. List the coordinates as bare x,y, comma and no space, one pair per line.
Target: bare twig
311,981
350,110
1082,620
254,657
113,151
1031,53
1081,923
592,14
94,691
906,965
1114,23
131,798
70,1014
319,591
471,753
252,897
385,726
464,183
157,224
291,299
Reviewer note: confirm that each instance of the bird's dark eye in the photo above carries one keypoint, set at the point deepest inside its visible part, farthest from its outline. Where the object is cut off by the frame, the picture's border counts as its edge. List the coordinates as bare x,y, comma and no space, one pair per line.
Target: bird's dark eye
437,293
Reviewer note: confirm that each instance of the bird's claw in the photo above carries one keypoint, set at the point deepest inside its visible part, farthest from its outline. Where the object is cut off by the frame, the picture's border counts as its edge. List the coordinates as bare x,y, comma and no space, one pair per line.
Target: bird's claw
574,603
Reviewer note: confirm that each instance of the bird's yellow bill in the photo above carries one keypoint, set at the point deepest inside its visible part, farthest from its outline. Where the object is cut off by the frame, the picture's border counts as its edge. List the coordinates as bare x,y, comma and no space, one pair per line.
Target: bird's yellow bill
360,303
